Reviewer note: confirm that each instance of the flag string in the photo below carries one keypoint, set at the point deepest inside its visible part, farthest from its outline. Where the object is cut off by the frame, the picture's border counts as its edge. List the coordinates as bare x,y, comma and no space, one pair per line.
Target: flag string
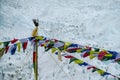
61,46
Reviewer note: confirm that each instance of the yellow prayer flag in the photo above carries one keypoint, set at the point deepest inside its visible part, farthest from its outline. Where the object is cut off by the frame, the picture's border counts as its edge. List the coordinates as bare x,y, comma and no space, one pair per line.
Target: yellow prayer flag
100,72
79,50
53,50
1,43
44,44
18,45
78,61
91,54
66,45
108,55
2,52
39,38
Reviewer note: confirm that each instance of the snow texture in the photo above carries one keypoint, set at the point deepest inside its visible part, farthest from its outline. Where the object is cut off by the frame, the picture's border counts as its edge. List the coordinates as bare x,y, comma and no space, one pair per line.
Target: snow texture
94,23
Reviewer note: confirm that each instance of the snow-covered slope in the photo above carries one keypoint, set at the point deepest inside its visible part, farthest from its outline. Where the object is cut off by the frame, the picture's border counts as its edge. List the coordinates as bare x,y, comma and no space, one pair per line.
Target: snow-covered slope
87,22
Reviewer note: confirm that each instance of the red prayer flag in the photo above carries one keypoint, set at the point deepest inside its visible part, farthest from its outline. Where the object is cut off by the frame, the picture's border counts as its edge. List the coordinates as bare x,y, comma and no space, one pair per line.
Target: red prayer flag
86,54
14,40
69,56
6,49
91,67
101,55
25,45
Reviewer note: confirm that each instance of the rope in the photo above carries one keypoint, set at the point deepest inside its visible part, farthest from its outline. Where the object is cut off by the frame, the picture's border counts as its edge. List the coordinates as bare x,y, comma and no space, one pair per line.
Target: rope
60,67
22,63
27,58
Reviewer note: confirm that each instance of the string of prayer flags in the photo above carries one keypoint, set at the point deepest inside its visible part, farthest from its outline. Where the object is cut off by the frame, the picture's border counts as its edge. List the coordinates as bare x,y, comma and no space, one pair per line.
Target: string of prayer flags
82,63
85,51
56,45
15,44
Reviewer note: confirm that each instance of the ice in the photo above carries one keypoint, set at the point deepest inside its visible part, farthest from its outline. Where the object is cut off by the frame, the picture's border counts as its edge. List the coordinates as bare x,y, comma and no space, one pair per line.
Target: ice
87,22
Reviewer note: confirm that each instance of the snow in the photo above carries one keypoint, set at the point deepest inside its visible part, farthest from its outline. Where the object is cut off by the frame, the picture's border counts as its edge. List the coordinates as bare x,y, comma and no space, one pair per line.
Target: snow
87,22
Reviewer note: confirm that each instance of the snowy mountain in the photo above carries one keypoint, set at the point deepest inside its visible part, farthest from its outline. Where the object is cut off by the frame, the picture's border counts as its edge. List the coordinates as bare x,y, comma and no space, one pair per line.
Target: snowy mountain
88,22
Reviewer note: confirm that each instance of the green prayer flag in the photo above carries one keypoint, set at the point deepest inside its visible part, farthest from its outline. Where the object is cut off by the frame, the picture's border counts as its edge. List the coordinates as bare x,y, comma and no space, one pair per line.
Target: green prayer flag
72,59
6,43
